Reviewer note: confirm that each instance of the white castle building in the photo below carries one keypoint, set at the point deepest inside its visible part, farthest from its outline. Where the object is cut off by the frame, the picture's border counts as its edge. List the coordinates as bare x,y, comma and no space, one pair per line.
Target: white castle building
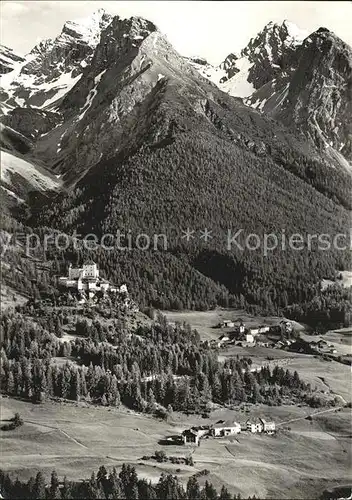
86,279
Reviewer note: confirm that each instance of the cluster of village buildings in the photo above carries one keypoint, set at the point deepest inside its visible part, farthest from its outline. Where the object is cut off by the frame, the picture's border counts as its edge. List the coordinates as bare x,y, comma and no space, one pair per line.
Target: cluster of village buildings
226,428
239,334
323,346
86,282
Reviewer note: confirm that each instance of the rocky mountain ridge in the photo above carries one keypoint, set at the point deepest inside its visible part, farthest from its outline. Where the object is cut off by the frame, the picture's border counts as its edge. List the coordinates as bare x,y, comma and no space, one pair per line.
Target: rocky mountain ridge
270,54
8,59
319,93
266,75
304,81
142,142
53,67
117,68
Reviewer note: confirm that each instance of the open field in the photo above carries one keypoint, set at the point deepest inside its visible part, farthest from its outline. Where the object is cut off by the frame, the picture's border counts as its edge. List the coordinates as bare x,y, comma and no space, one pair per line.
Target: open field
326,375
75,439
341,340
319,373
346,278
302,460
343,278
205,322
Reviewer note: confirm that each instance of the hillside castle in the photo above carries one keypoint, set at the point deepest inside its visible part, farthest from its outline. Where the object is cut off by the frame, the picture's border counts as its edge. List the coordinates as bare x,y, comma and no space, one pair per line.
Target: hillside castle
87,282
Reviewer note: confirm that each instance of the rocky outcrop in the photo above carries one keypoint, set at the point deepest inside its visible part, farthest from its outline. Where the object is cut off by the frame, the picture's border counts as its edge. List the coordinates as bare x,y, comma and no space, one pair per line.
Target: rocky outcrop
31,122
272,54
303,81
102,113
53,67
8,59
100,81
319,94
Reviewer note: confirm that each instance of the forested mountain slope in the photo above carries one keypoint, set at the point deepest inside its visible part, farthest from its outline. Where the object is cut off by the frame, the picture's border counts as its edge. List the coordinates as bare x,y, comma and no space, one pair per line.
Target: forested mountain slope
145,144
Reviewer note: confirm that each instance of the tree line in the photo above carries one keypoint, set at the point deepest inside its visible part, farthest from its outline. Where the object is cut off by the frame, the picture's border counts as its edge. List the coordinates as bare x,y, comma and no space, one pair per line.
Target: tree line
157,368
124,485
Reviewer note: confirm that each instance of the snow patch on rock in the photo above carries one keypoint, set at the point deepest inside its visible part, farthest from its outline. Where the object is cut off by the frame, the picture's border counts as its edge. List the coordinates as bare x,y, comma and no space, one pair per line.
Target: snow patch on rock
37,178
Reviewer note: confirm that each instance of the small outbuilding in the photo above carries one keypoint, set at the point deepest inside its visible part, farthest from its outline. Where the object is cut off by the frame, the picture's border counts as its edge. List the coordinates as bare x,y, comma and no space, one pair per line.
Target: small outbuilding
190,436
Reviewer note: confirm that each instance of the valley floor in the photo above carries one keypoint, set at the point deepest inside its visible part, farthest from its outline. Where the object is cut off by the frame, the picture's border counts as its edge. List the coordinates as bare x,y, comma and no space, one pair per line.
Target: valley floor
326,375
303,459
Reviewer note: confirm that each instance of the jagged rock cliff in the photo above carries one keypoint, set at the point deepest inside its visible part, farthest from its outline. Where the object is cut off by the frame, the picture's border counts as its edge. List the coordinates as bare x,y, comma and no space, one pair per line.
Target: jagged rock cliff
8,59
304,81
319,93
52,67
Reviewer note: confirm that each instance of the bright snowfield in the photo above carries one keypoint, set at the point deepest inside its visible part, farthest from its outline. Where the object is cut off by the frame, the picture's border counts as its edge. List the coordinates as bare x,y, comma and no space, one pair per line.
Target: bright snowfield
297,34
37,178
238,85
15,79
88,28
212,73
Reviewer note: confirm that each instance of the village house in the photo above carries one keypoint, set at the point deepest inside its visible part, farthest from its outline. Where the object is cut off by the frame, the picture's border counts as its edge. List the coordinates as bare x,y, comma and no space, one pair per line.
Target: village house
227,323
268,427
222,340
193,435
190,436
253,331
225,428
264,329
254,427
242,335
241,328
320,345
249,337
260,426
257,330
265,344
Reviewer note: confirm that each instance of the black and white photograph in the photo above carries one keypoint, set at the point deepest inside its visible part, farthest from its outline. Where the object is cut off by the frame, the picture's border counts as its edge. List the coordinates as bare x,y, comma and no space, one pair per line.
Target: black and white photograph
175,241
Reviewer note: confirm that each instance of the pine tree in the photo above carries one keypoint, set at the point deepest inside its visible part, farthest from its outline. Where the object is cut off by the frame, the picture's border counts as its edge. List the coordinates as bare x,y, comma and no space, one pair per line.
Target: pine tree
54,486
10,384
209,491
224,494
39,486
193,489
66,489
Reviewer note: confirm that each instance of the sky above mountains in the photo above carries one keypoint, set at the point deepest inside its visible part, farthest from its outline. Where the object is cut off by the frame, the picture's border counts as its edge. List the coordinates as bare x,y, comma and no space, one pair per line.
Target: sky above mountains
208,29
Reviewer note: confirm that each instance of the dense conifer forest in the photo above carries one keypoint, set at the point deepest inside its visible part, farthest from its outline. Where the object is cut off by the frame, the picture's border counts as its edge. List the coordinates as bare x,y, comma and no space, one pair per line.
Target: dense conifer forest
155,369
196,280
124,485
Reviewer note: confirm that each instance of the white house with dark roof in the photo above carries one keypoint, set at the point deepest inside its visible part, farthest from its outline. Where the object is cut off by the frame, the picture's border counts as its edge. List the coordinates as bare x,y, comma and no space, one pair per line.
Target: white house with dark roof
225,428
268,426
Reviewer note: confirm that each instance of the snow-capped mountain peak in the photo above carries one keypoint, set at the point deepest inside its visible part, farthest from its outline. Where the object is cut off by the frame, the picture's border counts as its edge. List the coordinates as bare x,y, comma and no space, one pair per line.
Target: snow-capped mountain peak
265,57
294,32
87,29
268,76
53,67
